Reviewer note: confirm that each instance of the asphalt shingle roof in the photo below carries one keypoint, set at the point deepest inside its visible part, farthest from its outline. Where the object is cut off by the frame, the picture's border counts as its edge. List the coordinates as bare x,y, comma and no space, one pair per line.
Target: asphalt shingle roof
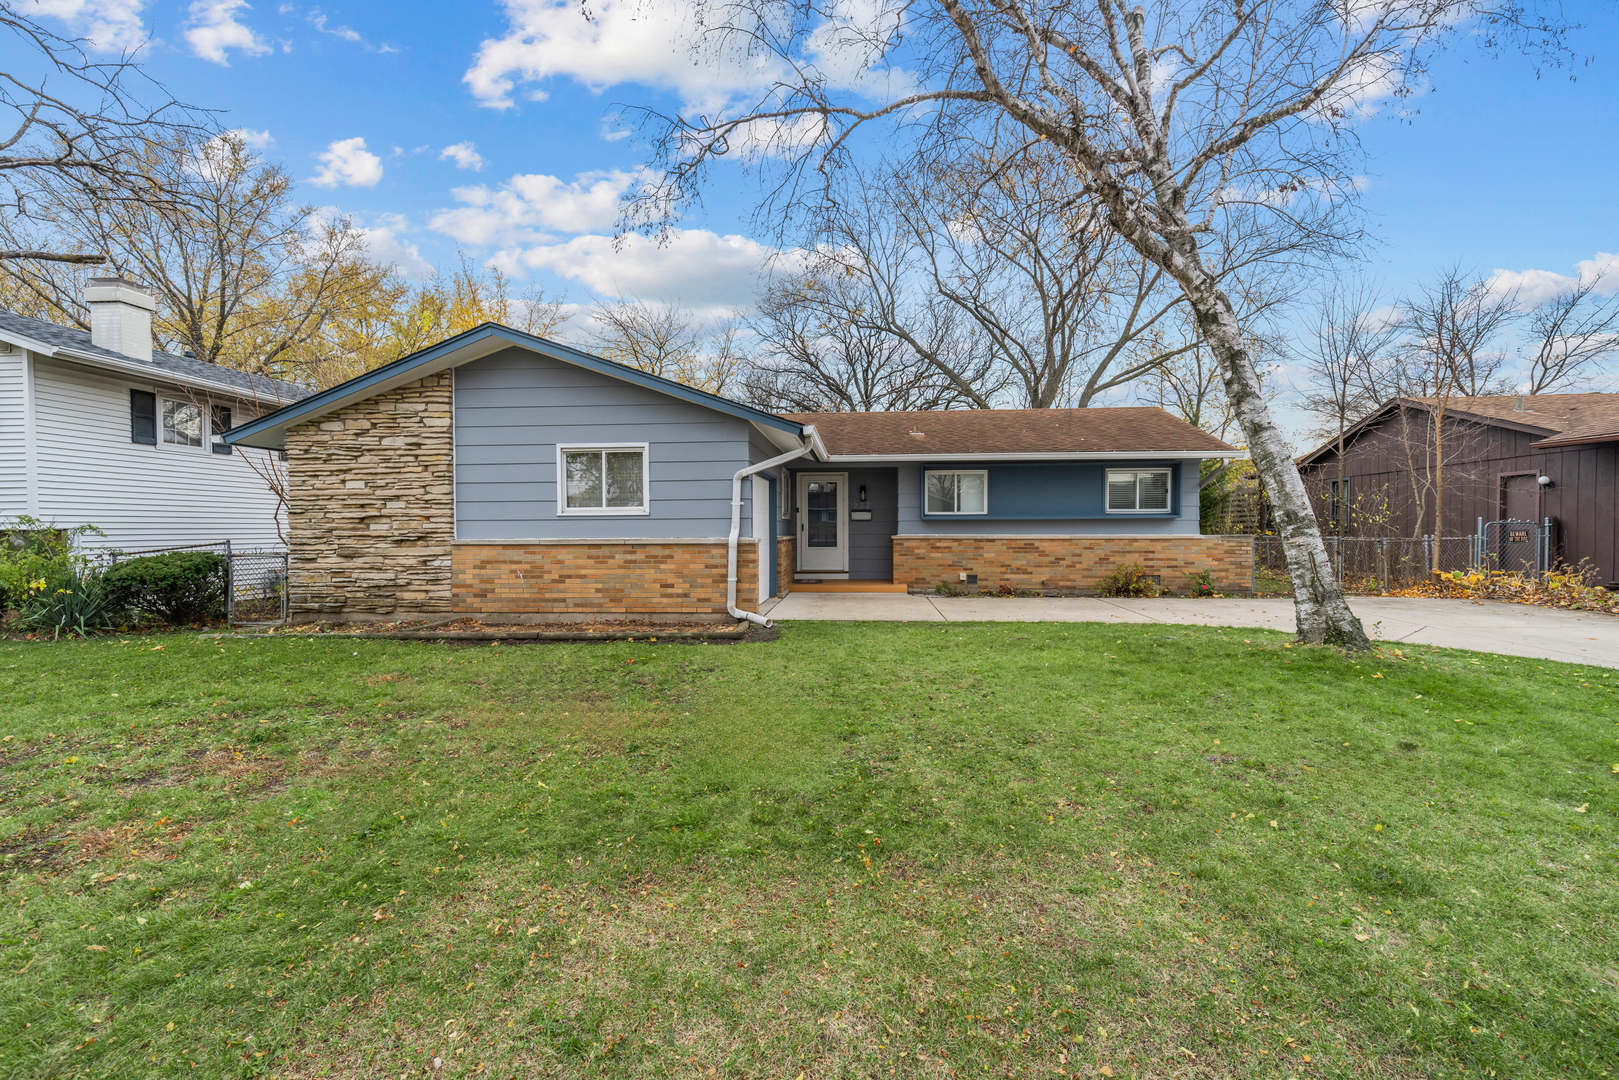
181,368
1009,431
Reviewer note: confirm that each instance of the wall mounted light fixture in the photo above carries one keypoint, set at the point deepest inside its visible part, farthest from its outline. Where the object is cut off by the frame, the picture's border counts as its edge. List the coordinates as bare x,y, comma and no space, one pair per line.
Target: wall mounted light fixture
1545,482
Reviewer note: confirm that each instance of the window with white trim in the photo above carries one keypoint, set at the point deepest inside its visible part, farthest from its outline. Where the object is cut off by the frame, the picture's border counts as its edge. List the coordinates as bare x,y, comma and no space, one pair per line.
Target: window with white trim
183,424
1137,491
956,491
599,480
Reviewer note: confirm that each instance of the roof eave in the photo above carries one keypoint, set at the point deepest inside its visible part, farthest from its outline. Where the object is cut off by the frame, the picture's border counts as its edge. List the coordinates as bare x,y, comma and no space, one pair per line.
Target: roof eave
269,431
1053,455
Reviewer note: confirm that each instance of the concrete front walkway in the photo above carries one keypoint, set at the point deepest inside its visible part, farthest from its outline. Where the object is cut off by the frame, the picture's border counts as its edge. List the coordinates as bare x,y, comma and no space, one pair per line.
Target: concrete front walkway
1482,626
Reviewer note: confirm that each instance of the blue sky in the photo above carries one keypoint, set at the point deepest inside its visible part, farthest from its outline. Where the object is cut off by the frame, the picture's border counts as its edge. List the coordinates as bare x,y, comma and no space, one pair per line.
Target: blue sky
482,127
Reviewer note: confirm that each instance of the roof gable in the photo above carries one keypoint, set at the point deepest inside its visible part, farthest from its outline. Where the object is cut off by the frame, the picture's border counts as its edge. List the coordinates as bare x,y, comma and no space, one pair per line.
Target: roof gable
270,430
71,343
1562,419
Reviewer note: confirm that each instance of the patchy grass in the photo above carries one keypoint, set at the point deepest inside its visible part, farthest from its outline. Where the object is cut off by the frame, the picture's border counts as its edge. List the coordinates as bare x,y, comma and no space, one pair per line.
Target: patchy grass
913,850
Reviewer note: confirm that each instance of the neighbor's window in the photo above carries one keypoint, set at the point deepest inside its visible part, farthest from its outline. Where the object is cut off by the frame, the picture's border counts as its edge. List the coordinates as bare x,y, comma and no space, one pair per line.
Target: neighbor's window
957,492
182,423
604,479
1137,491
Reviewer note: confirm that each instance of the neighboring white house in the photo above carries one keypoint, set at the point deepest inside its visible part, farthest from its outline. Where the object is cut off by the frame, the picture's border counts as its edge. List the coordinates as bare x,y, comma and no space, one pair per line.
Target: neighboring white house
98,429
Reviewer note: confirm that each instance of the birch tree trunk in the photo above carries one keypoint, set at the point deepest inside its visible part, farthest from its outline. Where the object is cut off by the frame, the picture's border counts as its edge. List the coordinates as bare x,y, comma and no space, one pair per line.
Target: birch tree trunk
1324,617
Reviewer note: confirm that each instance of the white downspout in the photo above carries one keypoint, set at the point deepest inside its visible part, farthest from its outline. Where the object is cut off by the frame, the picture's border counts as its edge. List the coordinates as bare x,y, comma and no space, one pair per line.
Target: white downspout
736,529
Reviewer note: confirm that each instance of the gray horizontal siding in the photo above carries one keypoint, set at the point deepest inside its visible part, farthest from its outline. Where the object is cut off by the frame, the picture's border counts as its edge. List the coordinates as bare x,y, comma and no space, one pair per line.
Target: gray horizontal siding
912,523
513,409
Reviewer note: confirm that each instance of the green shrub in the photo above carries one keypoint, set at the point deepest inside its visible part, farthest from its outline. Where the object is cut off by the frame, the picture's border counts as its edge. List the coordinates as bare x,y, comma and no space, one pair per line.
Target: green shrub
73,602
179,587
1203,584
32,554
1129,579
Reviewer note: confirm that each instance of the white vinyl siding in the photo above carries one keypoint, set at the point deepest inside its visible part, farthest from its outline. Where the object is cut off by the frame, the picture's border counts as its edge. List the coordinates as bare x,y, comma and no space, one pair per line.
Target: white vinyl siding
13,445
90,473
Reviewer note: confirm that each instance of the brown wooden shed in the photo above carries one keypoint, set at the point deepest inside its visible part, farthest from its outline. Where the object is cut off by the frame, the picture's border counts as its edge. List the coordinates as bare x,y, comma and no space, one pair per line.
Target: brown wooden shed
1512,457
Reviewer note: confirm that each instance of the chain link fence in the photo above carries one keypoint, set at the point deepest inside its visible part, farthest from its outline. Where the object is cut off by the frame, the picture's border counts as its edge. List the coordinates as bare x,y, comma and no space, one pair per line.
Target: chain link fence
255,581
256,587
1366,564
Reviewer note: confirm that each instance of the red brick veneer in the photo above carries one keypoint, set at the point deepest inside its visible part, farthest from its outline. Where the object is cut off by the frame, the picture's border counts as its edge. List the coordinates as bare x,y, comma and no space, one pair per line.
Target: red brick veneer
1071,562
607,578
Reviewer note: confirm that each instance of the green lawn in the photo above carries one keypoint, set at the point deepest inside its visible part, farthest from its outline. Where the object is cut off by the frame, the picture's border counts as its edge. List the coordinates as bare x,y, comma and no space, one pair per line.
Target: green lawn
860,850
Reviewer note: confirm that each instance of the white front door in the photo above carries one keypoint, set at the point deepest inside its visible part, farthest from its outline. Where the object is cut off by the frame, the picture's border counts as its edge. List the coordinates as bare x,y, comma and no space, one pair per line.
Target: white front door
823,523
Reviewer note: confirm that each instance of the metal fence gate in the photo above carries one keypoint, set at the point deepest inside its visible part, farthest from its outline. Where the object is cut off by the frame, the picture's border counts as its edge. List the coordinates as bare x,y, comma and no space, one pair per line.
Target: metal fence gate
255,586
1523,547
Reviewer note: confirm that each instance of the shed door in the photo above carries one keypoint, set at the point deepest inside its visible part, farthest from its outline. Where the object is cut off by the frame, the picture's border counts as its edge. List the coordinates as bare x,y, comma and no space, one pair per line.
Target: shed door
1520,497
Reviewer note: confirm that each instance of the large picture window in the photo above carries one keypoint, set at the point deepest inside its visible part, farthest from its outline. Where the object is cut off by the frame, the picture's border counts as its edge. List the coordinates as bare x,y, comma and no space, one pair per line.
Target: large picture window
956,492
1137,491
602,479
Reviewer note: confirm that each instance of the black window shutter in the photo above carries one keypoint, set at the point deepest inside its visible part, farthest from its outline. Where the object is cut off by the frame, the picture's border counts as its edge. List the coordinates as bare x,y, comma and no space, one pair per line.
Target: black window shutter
143,417
221,424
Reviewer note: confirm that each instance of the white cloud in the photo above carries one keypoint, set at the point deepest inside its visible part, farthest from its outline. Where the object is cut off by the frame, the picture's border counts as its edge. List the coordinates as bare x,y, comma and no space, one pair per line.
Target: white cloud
628,41
386,243
700,269
464,155
319,20
348,162
213,29
533,207
108,25
1535,287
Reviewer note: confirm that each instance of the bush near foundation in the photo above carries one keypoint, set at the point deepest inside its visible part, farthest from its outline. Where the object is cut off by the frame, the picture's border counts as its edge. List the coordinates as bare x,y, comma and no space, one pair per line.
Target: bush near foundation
1128,579
180,587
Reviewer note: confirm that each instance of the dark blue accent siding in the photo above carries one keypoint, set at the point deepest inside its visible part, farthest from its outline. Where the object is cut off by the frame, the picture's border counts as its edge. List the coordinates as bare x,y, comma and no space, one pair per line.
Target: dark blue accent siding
1046,491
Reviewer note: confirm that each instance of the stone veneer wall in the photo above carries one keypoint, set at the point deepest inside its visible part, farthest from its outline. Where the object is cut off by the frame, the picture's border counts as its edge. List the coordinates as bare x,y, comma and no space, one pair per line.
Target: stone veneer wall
786,552
1071,562
669,580
371,506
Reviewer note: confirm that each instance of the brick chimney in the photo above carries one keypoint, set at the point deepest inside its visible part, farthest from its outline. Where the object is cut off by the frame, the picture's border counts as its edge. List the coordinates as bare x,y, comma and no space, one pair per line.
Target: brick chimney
120,316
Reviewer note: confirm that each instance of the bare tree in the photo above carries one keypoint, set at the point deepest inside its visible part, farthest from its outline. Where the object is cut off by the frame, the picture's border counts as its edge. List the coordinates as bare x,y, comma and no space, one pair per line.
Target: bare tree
1452,323
243,276
1569,333
809,357
667,339
1068,309
1354,338
68,120
1182,118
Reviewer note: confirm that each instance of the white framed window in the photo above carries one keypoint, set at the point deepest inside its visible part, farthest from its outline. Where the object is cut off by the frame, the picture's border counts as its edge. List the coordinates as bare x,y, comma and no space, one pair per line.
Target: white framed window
183,424
956,491
784,494
1137,491
602,480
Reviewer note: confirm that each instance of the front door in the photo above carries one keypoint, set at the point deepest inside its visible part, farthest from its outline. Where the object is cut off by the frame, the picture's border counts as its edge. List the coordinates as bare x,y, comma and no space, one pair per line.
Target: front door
823,523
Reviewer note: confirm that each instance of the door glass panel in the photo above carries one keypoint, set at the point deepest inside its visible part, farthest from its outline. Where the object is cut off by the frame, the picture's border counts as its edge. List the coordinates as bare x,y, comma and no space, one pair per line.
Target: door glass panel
941,493
821,511
972,493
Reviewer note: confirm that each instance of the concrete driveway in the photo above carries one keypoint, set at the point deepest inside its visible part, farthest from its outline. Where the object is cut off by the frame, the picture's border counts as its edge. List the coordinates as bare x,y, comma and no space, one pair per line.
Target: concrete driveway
1482,626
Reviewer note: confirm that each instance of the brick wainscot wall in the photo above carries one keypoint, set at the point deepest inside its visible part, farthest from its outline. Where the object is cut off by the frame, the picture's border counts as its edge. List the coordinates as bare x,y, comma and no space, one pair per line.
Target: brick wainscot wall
371,506
558,580
1071,562
786,552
